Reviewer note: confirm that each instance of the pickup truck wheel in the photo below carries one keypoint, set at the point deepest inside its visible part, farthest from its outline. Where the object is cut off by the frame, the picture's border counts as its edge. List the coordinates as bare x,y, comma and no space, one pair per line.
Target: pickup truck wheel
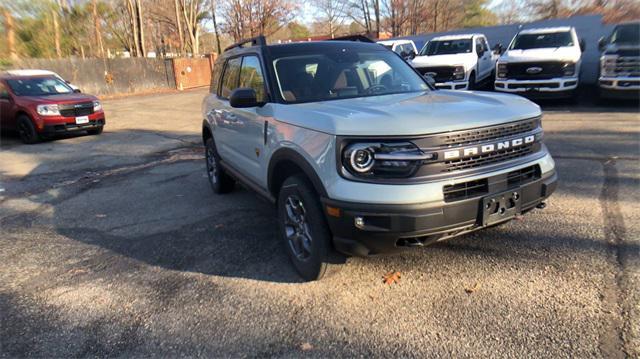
472,81
304,230
219,180
27,131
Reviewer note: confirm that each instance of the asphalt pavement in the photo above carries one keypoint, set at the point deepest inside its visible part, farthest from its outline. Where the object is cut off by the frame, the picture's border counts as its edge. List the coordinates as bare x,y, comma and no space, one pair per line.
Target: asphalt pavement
115,245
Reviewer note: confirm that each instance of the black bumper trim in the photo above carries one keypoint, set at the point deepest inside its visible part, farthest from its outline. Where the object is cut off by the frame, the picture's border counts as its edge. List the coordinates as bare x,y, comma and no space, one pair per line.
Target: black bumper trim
385,226
66,128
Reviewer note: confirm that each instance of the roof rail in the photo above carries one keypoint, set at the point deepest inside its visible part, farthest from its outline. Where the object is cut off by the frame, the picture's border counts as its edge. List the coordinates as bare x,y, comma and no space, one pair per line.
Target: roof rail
255,41
359,38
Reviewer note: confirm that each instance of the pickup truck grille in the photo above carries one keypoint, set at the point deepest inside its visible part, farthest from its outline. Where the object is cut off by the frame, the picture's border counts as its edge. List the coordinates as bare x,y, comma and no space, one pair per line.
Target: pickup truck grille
77,109
443,73
550,69
627,66
482,160
489,133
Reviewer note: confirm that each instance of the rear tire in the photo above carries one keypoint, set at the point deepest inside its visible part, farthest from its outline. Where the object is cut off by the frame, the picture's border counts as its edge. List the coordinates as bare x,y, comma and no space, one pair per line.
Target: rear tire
219,180
27,130
304,230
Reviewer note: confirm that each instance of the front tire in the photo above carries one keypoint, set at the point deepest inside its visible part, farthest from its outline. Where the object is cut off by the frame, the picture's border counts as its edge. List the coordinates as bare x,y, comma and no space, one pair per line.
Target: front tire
472,82
219,180
304,230
27,131
95,131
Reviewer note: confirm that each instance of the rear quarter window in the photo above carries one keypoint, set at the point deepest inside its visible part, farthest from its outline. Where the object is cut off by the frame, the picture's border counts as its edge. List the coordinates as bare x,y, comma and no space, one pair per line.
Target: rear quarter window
215,77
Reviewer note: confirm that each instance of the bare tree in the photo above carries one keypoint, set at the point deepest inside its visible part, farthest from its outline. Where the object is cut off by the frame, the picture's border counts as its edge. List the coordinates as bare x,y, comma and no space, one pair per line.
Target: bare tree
251,18
215,25
97,27
332,12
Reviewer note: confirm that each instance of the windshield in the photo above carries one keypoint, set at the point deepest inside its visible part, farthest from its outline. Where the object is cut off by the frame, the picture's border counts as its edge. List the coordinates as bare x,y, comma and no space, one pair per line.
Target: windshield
39,86
627,34
344,73
447,47
539,41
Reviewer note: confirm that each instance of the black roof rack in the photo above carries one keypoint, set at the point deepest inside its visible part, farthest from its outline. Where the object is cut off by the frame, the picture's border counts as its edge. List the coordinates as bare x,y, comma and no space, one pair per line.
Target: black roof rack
255,41
359,38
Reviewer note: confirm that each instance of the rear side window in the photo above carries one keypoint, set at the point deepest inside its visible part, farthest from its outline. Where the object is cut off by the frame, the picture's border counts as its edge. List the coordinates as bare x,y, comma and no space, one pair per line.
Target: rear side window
215,77
230,77
251,76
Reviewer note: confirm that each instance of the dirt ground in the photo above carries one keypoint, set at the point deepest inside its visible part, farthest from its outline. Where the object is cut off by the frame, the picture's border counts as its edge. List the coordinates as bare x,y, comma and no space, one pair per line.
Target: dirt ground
114,245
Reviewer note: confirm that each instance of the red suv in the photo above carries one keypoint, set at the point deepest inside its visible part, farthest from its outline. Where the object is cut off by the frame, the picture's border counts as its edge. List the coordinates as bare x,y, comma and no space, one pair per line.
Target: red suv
42,106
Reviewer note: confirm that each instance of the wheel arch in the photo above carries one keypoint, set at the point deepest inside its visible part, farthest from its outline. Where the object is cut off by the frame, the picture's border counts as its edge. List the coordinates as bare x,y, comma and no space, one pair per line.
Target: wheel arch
207,133
286,162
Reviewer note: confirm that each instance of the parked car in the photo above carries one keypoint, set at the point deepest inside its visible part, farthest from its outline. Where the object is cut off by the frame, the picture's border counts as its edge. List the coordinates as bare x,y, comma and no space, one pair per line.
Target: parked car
361,161
541,63
405,48
620,62
35,72
457,62
40,106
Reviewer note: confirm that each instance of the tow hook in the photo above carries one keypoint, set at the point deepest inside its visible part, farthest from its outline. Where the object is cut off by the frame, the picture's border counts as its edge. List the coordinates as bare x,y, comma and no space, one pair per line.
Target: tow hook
541,205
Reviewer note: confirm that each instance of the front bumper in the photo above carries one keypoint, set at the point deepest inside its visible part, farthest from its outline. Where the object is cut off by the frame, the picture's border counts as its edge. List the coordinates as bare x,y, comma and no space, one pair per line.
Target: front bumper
453,85
556,87
392,228
59,124
619,87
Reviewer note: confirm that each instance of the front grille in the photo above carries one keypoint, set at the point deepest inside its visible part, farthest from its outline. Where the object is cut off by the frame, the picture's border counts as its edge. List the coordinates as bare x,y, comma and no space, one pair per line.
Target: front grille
523,176
550,69
627,66
78,109
469,137
443,73
489,158
465,190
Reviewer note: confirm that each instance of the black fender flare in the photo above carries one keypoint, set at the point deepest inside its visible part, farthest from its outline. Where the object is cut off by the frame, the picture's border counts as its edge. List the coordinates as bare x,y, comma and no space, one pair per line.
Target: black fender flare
206,127
287,154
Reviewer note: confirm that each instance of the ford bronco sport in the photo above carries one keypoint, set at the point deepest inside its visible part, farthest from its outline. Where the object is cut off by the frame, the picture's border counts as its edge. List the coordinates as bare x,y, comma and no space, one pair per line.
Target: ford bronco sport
361,156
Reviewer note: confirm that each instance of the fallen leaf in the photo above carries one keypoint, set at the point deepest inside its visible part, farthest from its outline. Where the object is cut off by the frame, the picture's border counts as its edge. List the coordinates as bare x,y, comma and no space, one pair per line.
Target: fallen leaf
391,277
219,226
306,347
101,215
472,289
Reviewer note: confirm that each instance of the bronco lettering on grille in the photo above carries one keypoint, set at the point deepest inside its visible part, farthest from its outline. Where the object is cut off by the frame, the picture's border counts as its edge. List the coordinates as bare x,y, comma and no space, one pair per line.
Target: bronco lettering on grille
488,148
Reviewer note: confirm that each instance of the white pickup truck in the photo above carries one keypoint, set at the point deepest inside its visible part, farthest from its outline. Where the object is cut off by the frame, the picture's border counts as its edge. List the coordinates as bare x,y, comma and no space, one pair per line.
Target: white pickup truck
457,62
620,62
541,63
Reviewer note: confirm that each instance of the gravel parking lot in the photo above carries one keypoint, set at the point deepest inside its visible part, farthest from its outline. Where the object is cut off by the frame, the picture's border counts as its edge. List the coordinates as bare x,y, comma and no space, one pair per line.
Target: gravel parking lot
114,245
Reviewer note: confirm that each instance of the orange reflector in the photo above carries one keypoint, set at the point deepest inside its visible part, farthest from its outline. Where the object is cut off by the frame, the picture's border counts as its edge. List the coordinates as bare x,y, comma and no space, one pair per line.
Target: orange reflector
333,212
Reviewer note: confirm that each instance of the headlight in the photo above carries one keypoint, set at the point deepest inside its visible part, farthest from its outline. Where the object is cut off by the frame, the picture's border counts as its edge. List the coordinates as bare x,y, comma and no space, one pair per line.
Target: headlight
608,65
569,69
48,110
502,71
97,106
458,73
384,159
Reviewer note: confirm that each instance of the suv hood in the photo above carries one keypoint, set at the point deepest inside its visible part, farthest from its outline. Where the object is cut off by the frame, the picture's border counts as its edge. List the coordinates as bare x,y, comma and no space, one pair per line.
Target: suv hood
408,114
444,60
567,53
65,98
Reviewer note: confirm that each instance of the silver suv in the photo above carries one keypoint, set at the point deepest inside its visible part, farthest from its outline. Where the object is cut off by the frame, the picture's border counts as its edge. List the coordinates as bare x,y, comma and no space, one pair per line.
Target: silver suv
361,156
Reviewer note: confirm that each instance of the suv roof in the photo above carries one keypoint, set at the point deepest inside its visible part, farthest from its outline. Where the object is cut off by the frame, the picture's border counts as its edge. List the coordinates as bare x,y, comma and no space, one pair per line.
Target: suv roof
301,47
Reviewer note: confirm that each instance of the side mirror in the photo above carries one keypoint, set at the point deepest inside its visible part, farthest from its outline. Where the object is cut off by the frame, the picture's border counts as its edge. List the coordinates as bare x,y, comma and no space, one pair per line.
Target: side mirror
583,45
244,97
77,91
412,55
497,49
602,43
430,80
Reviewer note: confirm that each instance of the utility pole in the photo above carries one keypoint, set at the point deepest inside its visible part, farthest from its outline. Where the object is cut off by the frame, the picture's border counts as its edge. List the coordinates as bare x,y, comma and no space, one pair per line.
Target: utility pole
56,33
11,36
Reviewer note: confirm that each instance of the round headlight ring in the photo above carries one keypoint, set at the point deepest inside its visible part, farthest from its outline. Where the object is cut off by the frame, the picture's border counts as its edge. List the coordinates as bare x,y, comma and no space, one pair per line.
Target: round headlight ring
361,160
